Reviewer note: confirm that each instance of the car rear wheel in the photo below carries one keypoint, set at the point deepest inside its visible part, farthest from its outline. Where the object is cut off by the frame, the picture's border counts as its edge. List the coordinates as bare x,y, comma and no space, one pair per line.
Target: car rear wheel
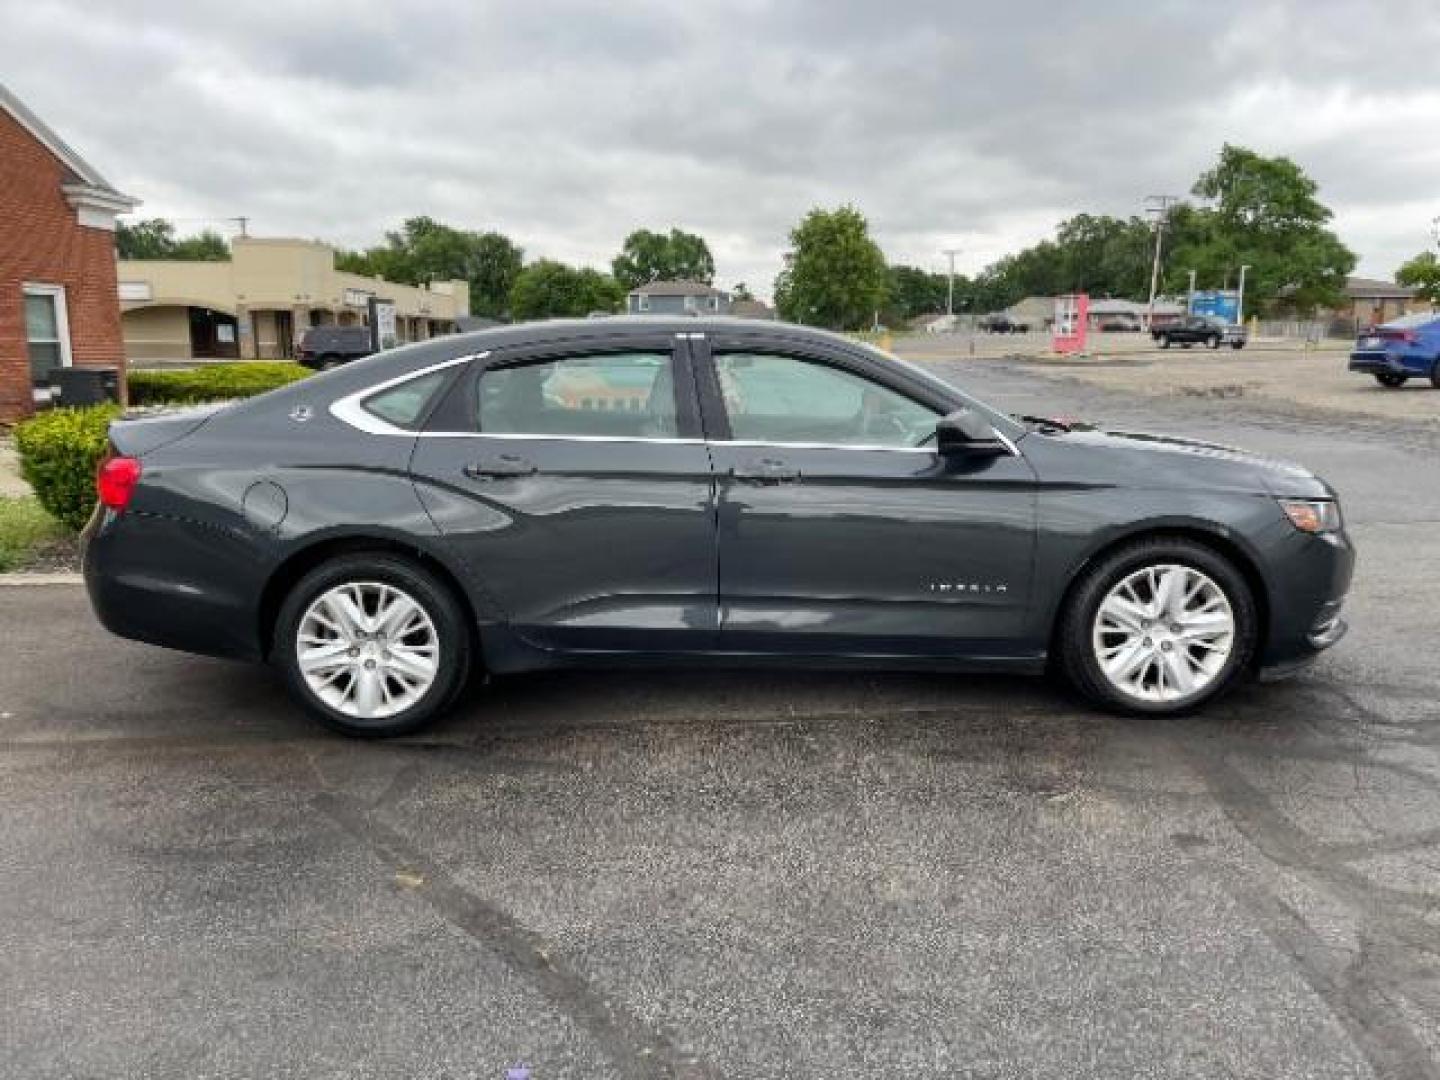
1158,627
1237,344
1390,380
372,645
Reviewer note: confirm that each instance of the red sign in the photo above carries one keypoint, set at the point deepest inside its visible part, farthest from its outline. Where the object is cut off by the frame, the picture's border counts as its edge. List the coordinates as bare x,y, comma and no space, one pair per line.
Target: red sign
1072,316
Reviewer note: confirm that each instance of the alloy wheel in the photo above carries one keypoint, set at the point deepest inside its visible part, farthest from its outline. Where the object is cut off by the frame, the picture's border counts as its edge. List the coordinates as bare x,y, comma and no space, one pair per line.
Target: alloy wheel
367,649
1163,633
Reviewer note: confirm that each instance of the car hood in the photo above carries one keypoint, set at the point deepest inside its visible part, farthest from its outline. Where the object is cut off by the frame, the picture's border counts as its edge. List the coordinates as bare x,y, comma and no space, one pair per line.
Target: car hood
1167,461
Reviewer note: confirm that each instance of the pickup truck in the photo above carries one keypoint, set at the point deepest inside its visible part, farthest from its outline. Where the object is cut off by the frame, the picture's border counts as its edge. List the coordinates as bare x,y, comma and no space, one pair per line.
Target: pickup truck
1199,329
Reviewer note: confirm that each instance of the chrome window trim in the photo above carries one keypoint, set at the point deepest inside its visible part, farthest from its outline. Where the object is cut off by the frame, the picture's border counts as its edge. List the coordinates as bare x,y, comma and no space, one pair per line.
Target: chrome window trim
350,409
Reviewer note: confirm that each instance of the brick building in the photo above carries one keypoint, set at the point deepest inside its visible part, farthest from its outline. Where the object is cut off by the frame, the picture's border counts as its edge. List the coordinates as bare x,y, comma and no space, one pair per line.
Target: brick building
58,303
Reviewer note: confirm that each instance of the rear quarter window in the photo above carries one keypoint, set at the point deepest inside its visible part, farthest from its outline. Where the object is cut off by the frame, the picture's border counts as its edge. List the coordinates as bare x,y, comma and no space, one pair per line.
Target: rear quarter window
406,404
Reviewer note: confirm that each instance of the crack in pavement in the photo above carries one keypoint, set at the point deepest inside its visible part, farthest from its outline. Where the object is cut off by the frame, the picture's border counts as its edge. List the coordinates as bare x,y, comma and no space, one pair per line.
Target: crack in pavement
634,1047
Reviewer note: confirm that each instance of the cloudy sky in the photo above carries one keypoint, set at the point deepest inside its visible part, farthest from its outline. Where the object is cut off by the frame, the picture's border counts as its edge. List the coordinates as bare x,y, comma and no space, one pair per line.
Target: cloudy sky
566,124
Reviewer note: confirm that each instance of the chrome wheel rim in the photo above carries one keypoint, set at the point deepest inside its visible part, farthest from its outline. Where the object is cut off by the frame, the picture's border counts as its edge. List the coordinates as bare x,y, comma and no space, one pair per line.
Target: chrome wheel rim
1163,633
367,649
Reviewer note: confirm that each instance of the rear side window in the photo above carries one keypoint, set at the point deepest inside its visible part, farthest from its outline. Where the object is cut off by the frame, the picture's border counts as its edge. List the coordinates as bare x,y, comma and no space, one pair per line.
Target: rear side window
405,404
620,395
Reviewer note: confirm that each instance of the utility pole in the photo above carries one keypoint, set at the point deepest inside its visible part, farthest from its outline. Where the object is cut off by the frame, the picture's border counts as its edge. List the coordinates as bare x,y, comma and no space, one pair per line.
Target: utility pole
243,222
1240,299
1159,205
1435,229
950,295
1190,297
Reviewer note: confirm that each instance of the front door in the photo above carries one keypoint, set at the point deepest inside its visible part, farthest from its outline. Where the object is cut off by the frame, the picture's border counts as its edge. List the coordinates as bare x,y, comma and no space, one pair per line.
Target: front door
841,530
573,481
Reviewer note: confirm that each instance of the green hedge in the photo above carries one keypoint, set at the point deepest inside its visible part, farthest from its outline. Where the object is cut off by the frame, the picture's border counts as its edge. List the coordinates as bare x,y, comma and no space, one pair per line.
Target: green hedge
59,451
214,382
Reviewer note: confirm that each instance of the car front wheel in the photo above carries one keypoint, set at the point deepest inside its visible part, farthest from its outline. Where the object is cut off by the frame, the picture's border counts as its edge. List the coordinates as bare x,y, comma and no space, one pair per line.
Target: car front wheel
1390,380
372,645
1157,627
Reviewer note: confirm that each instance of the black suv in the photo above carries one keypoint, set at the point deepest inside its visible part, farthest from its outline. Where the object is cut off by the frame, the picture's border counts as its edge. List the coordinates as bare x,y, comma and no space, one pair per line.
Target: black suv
324,347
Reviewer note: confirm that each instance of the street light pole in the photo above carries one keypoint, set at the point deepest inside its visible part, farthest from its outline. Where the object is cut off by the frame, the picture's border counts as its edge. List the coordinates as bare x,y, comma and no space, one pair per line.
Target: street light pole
1190,297
1240,300
950,294
1159,206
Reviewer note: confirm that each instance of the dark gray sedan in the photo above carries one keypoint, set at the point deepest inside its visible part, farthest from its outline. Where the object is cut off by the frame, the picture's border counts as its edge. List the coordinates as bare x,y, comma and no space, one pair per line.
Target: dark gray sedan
696,491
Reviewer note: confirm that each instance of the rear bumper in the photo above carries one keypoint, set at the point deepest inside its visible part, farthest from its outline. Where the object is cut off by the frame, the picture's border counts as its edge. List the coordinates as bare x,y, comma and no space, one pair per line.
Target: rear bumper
154,579
1376,362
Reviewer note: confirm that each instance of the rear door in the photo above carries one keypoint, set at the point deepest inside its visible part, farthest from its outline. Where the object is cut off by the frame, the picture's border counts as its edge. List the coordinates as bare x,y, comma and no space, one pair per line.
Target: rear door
572,479
841,530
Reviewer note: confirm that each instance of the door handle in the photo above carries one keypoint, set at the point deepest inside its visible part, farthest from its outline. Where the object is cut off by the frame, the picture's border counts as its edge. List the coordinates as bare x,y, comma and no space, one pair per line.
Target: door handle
500,465
766,471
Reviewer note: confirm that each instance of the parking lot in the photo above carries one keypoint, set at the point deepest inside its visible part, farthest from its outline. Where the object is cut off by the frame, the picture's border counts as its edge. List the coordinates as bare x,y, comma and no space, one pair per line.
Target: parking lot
741,874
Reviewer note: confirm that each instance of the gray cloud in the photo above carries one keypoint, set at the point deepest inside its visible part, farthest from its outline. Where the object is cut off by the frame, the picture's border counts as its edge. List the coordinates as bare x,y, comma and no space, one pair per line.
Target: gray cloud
566,124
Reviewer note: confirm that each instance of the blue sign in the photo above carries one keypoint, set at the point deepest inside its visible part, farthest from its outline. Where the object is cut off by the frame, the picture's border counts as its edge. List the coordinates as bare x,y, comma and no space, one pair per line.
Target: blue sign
1222,304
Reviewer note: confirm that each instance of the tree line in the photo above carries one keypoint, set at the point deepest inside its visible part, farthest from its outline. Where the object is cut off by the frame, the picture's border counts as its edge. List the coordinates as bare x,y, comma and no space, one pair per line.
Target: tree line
1246,210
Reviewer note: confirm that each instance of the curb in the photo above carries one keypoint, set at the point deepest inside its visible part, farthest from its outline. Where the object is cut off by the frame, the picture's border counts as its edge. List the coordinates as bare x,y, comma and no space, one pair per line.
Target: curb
22,578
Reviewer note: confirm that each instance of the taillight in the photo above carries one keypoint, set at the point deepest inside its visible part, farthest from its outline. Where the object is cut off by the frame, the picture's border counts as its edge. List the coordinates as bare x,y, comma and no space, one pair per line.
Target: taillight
115,480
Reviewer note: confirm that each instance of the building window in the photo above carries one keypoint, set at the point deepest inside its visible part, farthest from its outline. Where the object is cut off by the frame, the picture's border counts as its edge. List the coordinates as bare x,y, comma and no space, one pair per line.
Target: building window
692,303
642,302
714,303
47,331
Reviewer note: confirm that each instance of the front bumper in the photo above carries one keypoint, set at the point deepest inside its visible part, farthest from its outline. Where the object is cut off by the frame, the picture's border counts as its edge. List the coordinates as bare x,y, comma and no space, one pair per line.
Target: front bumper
1308,583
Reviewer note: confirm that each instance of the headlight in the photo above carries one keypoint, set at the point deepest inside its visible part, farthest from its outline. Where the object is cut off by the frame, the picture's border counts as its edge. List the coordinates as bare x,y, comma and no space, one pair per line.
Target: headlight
1314,516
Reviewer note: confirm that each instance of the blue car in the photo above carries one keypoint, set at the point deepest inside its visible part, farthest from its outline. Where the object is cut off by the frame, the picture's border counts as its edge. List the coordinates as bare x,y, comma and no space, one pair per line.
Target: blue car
1405,348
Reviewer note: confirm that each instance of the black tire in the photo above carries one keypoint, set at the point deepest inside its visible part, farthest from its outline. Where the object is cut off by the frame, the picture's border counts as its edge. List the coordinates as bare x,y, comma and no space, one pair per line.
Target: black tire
1435,373
439,602
1392,380
1213,341
329,361
1186,344
1073,634
1237,344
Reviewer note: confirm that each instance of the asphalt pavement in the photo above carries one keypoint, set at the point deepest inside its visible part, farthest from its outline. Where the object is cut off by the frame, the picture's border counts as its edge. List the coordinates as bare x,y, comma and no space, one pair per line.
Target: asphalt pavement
741,874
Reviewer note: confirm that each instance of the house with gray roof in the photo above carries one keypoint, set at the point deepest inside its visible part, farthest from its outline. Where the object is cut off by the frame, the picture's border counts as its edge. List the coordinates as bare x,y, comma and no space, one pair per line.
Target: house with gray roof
677,298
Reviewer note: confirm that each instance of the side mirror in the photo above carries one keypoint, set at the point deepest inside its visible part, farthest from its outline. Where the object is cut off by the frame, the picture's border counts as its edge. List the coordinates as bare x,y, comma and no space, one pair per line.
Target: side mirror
966,432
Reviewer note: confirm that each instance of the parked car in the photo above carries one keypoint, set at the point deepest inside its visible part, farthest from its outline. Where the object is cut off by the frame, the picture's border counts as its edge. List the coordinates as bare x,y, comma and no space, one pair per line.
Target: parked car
324,347
677,491
1001,323
1120,324
1400,350
1200,330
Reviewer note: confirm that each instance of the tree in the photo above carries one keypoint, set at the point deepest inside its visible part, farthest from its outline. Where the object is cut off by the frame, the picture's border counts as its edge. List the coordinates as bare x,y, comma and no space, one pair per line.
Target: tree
741,291
651,256
834,274
154,238
911,291
1423,274
425,250
1264,214
548,289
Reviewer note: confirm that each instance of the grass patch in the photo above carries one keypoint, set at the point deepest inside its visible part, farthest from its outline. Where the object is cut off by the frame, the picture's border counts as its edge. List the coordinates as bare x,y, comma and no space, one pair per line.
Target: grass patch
26,531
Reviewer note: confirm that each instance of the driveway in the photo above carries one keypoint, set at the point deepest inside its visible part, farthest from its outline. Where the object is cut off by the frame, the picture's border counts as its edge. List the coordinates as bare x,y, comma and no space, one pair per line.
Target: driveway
744,874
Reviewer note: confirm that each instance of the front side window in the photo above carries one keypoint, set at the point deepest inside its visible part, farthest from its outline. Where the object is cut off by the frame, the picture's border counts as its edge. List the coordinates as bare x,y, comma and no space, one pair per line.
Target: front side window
782,399
46,336
620,395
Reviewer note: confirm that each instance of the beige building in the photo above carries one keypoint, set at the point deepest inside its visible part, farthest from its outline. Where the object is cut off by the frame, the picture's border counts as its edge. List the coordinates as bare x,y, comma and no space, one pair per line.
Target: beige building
258,303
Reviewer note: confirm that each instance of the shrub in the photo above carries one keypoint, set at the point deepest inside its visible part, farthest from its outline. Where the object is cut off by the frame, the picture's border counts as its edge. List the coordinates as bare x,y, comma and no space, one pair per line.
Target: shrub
214,382
59,451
